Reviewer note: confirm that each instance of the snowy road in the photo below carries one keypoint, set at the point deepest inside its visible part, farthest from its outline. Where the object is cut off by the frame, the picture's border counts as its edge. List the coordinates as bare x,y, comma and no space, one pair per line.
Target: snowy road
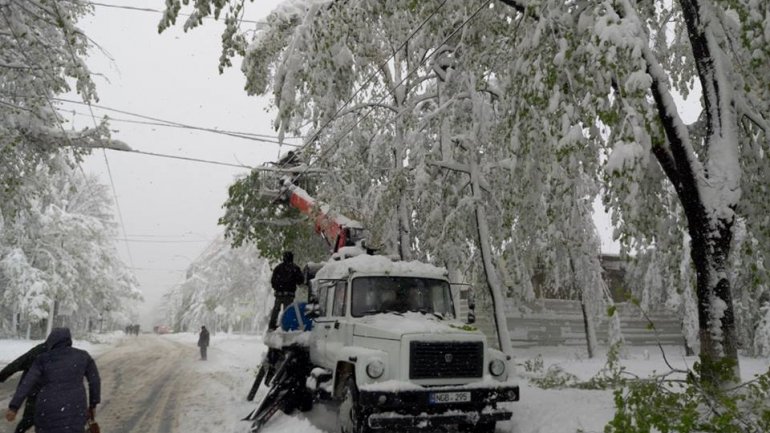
156,384
143,382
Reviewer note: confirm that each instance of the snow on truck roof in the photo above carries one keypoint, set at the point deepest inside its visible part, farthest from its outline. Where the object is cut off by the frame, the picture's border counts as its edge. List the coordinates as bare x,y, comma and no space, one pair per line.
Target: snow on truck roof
378,265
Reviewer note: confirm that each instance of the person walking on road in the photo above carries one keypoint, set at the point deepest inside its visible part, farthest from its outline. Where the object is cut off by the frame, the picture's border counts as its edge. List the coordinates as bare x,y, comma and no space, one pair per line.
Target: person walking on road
203,342
23,364
62,406
286,277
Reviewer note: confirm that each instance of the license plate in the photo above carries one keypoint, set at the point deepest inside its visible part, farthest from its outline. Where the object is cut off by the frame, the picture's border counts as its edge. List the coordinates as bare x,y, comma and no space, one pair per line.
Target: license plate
449,397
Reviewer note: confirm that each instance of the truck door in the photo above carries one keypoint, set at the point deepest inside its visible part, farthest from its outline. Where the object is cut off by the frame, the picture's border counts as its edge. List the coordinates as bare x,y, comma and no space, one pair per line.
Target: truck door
323,324
338,327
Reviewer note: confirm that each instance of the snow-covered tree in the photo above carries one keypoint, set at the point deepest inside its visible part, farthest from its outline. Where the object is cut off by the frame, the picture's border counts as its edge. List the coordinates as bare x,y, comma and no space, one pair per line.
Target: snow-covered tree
59,259
56,243
619,64
358,97
254,215
387,104
225,289
41,55
579,84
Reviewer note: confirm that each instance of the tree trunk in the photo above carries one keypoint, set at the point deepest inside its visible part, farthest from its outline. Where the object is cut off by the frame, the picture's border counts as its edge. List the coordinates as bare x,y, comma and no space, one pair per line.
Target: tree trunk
689,307
493,281
15,322
717,333
588,324
711,218
49,320
590,337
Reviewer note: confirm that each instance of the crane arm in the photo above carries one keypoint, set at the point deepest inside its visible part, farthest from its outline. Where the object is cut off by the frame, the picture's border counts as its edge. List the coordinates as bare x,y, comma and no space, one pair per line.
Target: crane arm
338,230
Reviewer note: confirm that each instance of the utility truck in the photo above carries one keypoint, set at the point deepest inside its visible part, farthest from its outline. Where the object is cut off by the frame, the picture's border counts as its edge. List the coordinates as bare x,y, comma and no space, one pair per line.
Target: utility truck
382,338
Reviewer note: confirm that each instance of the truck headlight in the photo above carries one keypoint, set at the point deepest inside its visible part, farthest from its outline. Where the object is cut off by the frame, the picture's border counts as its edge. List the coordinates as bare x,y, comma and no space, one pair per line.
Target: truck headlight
497,367
375,368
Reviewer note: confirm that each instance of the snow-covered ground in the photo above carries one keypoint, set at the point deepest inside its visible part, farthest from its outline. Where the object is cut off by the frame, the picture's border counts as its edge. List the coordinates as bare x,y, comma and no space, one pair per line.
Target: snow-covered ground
158,384
95,344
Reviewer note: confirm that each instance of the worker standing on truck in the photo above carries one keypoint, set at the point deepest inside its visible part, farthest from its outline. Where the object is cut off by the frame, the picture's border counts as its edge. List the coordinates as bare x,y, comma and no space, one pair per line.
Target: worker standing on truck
286,277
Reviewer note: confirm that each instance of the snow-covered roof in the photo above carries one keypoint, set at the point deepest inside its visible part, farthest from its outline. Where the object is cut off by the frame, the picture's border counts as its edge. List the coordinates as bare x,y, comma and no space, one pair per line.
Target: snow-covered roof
378,265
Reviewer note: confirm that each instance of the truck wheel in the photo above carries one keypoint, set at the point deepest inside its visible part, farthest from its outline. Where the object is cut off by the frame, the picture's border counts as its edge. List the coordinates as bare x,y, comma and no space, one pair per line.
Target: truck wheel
305,401
350,418
481,427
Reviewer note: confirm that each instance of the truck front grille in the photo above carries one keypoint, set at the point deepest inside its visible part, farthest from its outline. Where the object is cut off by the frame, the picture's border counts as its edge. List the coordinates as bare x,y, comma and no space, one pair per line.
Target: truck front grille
445,359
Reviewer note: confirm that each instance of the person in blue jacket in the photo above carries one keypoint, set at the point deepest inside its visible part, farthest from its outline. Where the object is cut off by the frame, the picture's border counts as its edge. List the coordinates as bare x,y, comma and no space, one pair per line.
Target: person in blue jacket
62,406
22,364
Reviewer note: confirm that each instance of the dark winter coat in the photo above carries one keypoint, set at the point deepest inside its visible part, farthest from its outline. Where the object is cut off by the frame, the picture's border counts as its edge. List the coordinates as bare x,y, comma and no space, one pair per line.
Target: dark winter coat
23,364
58,373
203,338
286,277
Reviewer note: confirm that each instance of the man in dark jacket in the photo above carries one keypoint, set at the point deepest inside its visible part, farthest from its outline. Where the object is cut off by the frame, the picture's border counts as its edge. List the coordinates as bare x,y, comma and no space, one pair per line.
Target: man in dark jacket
286,277
61,406
23,363
203,342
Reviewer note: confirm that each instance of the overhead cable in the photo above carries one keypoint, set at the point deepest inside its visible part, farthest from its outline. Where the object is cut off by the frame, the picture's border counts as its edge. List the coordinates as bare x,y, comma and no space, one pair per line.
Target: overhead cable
243,135
138,9
173,125
226,164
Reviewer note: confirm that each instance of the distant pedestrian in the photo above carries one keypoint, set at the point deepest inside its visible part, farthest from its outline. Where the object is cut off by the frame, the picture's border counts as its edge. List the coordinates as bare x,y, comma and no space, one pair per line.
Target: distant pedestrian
62,406
203,342
23,364
286,277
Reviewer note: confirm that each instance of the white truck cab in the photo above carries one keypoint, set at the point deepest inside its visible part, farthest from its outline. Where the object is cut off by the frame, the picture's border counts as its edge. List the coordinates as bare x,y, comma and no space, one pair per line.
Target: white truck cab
387,343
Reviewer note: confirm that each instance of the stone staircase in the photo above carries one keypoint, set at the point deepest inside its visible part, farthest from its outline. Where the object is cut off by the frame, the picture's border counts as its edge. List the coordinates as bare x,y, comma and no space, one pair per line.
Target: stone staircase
556,322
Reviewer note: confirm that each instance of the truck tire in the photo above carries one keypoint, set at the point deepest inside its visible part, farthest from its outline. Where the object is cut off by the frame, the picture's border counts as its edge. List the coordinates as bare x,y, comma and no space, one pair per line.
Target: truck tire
305,401
481,427
350,418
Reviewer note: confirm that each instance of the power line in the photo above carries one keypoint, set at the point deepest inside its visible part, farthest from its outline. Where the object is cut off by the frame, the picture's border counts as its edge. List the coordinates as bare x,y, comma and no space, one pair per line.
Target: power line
243,135
172,125
117,204
138,9
226,164
186,158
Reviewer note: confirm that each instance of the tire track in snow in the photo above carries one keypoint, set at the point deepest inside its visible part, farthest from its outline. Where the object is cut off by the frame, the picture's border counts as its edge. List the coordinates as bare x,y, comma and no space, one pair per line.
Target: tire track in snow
141,380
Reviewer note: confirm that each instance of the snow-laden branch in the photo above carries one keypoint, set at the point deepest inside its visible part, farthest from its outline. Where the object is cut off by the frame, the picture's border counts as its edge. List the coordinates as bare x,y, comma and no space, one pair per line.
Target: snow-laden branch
367,105
441,108
451,165
19,66
680,159
745,110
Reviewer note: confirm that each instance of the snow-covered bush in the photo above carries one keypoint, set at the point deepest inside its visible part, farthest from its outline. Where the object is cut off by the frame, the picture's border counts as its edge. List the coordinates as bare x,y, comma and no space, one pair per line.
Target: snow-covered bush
680,402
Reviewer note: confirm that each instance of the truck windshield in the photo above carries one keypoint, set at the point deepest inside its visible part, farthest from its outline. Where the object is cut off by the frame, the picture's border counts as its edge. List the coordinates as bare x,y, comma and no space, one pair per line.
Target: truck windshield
373,295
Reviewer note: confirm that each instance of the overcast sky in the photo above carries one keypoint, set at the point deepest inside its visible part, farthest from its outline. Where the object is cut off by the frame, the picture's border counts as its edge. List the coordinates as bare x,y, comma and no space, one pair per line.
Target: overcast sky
169,208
